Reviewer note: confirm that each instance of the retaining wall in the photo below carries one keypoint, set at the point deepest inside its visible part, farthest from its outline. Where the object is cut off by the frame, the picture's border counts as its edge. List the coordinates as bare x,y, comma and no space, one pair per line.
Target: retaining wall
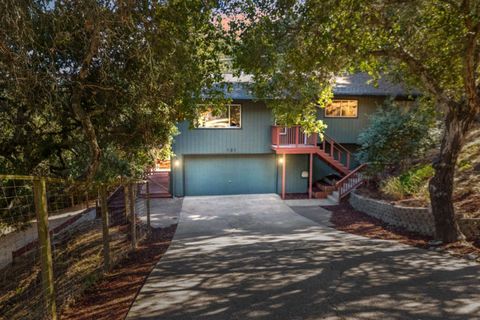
418,220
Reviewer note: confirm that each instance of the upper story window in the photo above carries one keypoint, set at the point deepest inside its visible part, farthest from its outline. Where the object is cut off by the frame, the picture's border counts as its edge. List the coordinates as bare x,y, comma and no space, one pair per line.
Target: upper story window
342,109
228,117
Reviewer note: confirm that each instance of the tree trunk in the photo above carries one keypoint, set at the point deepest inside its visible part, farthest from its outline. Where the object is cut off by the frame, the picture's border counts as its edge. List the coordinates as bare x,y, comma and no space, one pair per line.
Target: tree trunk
457,124
90,136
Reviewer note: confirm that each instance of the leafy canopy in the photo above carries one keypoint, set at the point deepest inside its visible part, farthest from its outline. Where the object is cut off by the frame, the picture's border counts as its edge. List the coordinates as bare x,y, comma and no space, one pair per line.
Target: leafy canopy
89,88
293,48
395,136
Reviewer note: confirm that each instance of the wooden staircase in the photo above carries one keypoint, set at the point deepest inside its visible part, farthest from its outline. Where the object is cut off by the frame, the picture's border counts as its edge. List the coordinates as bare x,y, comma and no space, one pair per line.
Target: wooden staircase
335,164
293,140
334,154
350,182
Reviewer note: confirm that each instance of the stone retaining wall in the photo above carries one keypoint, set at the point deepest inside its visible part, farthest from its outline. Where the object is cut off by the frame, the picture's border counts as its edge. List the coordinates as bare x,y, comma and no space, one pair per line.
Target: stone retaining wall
418,220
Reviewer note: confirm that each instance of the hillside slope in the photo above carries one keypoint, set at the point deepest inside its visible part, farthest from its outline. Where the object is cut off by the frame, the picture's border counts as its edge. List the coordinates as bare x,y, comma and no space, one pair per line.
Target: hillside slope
467,178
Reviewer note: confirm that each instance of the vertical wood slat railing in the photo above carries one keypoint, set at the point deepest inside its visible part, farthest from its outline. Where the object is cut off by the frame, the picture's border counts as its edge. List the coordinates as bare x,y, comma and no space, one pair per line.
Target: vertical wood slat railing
292,136
336,150
351,181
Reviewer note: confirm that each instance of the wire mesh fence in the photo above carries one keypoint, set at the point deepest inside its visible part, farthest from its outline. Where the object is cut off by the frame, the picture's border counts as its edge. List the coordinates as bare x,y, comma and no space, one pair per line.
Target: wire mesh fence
55,240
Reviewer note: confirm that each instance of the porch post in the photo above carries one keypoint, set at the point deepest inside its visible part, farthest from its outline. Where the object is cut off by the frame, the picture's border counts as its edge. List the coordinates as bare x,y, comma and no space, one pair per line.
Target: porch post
310,177
283,175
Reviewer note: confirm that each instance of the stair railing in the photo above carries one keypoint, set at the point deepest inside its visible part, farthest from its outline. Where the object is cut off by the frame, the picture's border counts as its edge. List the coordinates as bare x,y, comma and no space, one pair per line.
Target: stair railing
335,150
350,182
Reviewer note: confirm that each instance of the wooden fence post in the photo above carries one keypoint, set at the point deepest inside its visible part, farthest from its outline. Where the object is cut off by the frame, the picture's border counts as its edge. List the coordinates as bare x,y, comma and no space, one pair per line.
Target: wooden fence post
41,211
147,187
126,192
133,222
105,231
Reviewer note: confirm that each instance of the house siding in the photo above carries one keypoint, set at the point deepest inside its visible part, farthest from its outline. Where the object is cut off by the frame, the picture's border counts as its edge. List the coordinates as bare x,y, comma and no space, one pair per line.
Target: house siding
253,137
294,183
346,130
225,147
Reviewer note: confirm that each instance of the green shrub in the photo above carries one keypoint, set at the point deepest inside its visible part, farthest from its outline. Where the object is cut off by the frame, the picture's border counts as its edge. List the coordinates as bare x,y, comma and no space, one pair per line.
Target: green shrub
396,135
413,183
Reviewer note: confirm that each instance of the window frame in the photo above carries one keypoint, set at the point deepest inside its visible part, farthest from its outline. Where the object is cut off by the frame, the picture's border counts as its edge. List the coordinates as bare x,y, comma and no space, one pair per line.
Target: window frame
229,114
342,117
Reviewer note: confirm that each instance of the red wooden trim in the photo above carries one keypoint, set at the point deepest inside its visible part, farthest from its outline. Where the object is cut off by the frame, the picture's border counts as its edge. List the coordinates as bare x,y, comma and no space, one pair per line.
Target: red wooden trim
336,143
296,135
275,136
292,136
310,177
294,150
339,183
343,194
284,164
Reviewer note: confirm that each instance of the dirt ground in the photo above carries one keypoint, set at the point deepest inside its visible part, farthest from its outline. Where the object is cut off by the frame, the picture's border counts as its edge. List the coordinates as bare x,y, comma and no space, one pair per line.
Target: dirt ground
466,195
112,296
347,219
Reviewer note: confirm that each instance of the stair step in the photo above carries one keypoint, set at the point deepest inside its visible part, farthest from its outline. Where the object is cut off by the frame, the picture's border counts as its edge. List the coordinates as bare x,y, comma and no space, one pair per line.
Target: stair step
334,199
321,194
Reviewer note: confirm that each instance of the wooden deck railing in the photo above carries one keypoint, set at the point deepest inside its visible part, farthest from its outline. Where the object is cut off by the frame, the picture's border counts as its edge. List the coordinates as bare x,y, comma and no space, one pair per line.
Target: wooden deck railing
351,181
295,137
292,137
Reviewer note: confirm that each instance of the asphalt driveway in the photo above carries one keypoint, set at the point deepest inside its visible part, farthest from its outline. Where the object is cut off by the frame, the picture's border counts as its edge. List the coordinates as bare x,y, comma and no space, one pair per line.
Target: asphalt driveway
253,257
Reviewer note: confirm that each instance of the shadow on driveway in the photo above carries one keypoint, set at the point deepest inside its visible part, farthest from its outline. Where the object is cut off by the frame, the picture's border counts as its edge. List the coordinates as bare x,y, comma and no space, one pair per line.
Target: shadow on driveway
257,259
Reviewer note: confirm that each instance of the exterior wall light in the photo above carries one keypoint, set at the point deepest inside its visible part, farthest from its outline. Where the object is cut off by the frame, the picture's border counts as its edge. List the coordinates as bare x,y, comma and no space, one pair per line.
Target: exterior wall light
280,161
176,163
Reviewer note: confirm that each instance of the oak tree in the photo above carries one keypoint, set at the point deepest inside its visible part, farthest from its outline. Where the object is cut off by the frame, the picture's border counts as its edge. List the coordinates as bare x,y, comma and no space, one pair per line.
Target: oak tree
294,47
90,87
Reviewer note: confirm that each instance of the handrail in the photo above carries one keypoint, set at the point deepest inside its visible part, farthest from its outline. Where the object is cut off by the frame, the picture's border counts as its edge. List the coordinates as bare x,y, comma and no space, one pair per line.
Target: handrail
336,143
350,182
336,148
341,181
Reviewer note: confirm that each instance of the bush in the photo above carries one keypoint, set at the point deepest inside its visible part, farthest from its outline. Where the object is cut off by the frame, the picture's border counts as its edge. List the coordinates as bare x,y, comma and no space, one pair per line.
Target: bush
396,135
414,183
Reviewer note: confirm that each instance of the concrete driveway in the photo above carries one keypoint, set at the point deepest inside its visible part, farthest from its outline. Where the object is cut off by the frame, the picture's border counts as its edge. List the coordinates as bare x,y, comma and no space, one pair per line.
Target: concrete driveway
253,257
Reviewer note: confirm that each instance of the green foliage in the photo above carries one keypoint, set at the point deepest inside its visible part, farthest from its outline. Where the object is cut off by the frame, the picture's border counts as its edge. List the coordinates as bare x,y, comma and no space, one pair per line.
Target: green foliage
88,88
295,48
465,165
396,135
414,182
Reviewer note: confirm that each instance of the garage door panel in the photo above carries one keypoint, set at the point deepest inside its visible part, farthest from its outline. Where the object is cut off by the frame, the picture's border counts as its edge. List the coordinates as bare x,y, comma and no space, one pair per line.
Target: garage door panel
239,174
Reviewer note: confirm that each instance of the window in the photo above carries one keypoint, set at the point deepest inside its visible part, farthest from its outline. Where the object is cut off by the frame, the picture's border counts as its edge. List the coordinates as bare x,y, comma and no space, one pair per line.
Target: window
342,109
227,117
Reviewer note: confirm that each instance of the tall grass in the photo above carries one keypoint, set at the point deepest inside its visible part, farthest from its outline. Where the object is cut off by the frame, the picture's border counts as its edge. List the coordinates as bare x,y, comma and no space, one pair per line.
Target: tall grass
412,183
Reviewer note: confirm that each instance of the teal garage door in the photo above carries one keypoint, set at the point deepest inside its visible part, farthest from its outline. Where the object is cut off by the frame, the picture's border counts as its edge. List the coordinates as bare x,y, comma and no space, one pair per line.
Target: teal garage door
229,174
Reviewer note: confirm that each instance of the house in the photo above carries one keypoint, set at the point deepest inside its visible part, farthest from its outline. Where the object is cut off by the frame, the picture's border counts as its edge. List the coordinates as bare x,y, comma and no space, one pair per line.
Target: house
241,151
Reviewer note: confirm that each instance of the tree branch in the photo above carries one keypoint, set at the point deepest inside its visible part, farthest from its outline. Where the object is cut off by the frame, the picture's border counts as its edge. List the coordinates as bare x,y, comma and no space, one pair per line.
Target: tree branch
471,58
417,68
84,117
